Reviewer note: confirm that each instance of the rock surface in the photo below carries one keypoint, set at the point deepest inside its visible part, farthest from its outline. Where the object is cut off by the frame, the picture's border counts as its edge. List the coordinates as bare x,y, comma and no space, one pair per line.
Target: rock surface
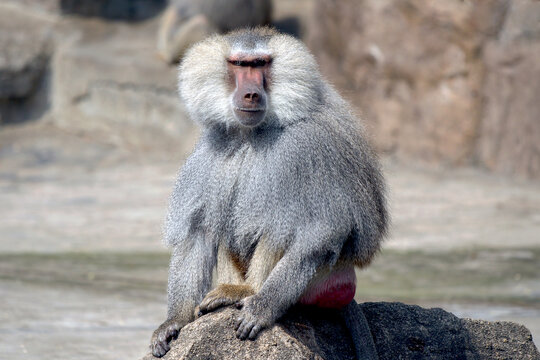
24,51
400,332
510,129
25,48
114,9
109,81
446,81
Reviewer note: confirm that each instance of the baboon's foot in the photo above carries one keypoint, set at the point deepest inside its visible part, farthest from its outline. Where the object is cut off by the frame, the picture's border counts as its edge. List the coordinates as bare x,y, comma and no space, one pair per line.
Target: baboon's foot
223,295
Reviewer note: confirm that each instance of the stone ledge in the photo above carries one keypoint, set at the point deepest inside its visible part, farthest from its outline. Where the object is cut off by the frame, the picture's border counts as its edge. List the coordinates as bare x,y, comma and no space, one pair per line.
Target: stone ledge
400,332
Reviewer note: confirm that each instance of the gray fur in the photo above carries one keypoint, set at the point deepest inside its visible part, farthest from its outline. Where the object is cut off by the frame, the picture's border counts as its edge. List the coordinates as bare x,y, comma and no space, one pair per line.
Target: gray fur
305,180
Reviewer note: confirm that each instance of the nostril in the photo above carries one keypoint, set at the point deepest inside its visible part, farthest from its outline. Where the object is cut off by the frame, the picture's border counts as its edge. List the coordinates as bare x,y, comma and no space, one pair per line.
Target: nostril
251,96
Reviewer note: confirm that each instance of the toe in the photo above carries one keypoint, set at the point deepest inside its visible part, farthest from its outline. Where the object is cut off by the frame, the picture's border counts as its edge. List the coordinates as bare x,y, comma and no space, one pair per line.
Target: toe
217,303
203,307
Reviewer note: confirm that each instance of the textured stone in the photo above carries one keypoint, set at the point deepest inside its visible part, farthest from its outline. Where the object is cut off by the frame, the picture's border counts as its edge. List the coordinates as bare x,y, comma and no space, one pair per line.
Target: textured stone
510,129
114,9
413,69
25,46
24,52
400,332
444,81
111,81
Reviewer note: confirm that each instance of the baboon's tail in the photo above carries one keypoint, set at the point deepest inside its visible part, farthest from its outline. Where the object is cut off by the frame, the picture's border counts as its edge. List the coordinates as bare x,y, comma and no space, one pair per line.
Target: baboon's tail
356,322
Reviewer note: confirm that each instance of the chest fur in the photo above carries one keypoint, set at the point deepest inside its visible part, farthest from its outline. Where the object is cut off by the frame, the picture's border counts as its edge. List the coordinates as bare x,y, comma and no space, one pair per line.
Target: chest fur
230,202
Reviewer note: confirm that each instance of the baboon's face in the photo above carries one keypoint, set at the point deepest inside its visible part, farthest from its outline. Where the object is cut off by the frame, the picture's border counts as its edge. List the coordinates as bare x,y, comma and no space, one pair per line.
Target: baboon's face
248,78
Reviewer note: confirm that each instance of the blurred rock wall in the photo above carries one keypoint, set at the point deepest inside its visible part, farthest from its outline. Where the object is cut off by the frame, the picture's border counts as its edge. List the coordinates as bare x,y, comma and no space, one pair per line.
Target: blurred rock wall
90,77
455,82
449,82
114,9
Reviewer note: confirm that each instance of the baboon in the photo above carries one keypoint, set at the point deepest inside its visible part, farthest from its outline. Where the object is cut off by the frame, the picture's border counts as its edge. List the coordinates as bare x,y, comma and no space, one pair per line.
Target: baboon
281,198
186,21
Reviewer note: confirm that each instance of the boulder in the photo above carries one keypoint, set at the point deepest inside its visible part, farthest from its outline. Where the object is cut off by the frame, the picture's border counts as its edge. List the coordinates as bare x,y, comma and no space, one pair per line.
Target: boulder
509,137
400,332
24,52
110,81
26,43
114,9
448,82
412,67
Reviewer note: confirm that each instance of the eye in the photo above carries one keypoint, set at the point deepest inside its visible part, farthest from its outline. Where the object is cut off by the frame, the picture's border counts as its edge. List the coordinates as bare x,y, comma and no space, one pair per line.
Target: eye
235,62
259,63
251,63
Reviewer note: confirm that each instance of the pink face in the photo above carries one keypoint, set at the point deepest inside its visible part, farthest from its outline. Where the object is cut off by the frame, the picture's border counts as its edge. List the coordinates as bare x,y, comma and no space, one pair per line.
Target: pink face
249,75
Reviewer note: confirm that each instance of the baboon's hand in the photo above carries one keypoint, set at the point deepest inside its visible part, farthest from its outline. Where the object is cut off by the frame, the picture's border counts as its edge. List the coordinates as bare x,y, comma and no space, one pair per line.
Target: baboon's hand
165,333
254,316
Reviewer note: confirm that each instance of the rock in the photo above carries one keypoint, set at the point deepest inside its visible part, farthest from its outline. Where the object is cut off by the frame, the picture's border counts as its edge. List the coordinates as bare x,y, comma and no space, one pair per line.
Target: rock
412,67
400,332
25,47
24,52
509,139
110,81
114,9
410,332
39,8
439,81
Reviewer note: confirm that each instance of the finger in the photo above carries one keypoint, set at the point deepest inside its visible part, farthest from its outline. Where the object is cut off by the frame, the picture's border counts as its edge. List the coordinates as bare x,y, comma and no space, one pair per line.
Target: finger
240,331
159,349
239,321
162,337
172,333
155,350
244,330
253,333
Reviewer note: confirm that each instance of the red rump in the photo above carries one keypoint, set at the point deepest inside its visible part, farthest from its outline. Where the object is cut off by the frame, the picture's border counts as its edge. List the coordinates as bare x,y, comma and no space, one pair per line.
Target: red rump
334,291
